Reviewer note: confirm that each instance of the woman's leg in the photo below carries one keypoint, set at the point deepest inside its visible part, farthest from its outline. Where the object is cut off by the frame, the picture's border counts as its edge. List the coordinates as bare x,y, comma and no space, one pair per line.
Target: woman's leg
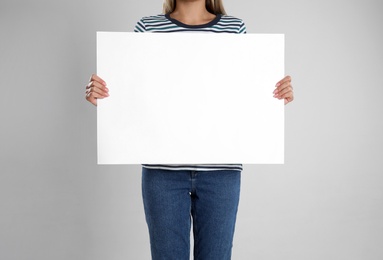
167,209
215,198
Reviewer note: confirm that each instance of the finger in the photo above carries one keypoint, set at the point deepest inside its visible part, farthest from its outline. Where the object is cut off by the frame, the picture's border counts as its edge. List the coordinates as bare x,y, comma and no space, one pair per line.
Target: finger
98,91
89,97
286,95
92,97
288,100
91,100
282,87
285,79
95,84
284,91
96,78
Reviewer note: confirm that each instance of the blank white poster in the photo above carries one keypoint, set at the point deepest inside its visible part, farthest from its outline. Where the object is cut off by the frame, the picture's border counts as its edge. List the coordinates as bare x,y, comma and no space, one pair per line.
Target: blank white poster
190,98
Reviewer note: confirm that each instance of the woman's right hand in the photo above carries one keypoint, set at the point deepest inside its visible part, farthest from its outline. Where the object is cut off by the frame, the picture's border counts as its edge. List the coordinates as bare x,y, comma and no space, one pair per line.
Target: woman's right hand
96,89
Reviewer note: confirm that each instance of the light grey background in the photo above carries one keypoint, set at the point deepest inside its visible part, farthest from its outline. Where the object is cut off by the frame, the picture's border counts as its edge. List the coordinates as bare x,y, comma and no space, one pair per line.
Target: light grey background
326,202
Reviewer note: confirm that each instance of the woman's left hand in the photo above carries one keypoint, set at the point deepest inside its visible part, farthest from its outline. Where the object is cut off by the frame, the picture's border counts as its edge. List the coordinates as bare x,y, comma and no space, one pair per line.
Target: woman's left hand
284,90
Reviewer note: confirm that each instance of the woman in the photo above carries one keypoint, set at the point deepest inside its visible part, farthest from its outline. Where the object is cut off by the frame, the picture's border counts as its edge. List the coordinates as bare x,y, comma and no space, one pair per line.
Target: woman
175,194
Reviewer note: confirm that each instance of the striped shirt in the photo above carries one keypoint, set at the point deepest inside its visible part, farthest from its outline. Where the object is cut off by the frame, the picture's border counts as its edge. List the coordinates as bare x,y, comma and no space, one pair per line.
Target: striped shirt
163,23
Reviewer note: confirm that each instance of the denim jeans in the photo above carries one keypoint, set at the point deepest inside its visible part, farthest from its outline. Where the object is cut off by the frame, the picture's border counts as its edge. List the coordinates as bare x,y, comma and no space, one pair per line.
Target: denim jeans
173,198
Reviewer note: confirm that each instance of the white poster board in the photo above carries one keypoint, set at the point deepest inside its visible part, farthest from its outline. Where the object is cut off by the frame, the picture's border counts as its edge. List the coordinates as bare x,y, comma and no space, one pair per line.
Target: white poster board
190,98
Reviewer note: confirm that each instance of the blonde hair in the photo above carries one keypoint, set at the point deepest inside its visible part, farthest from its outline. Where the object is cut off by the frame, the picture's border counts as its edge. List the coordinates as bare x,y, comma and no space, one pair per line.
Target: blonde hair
212,6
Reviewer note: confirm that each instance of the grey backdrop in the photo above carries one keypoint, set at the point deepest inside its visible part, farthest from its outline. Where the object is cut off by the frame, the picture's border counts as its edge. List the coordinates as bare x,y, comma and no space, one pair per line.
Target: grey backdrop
326,202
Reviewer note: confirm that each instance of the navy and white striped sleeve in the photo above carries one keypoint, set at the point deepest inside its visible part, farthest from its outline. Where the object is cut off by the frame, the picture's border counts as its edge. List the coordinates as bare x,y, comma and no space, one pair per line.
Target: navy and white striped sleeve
140,26
242,28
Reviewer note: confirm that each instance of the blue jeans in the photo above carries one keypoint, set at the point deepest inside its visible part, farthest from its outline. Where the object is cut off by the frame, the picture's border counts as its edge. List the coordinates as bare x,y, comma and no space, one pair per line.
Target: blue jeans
172,198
